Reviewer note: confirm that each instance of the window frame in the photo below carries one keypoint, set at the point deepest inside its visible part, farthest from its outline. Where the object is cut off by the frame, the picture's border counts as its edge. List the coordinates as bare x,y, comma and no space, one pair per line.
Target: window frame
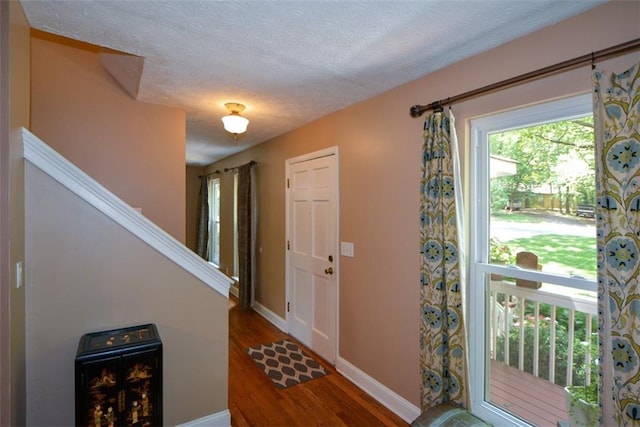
214,208
479,266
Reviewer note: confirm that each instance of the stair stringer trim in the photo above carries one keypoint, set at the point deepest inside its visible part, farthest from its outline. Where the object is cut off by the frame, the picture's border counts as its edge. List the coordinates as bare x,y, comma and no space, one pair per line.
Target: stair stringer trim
70,176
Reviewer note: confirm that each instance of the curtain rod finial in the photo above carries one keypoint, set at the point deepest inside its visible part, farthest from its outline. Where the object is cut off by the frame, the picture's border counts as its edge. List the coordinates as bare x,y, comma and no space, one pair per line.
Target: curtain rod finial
416,110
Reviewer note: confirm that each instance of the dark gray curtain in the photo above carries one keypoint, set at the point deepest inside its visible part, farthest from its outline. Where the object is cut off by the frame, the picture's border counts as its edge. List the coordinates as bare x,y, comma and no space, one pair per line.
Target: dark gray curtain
245,235
203,219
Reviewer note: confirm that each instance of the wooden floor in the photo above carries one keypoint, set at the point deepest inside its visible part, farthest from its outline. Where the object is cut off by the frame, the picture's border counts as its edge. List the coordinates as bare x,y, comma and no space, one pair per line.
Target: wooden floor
534,399
334,401
254,401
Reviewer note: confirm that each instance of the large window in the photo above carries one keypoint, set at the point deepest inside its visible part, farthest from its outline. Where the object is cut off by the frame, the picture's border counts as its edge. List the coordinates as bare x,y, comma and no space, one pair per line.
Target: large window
214,220
533,303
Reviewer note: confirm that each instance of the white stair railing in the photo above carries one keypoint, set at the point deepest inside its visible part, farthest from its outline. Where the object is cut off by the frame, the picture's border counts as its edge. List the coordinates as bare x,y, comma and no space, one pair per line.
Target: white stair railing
62,170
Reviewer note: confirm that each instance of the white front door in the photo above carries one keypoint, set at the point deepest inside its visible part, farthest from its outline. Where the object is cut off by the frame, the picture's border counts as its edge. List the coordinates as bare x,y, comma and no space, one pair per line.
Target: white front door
312,254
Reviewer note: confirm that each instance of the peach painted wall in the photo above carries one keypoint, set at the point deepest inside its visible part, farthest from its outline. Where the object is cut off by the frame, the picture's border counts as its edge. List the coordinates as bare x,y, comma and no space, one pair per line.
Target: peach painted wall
380,152
135,149
192,192
5,275
14,114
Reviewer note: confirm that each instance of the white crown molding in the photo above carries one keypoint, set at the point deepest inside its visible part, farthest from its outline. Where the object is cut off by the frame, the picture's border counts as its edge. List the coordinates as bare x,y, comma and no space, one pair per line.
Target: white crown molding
393,401
81,184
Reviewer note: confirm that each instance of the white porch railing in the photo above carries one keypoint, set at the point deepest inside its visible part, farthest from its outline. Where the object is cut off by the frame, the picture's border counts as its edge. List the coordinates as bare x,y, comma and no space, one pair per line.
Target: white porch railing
508,303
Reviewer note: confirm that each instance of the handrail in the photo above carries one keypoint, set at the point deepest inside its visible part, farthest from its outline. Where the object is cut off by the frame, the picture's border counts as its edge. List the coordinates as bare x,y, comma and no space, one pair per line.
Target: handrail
52,163
550,294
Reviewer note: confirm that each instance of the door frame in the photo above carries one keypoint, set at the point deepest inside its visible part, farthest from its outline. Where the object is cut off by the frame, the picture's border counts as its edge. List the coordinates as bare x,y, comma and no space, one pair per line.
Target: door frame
331,151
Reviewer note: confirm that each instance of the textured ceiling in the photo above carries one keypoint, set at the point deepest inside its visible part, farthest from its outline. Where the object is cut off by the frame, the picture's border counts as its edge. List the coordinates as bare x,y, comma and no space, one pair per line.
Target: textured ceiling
289,62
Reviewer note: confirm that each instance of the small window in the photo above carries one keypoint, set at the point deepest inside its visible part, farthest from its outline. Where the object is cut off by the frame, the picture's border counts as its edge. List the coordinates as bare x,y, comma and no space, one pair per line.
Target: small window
214,220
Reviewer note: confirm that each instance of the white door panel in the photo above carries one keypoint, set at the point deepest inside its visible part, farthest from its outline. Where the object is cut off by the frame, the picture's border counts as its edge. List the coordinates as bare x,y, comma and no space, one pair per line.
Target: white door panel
312,255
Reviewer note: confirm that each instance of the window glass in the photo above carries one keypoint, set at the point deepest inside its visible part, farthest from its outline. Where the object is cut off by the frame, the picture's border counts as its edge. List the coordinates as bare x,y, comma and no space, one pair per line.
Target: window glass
214,220
542,187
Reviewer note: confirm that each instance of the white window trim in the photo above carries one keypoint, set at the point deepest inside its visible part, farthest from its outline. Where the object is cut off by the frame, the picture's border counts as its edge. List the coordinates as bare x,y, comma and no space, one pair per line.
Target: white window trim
566,108
212,196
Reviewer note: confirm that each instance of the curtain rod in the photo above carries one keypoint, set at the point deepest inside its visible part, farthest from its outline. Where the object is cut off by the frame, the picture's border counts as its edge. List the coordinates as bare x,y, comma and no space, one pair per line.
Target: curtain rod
617,50
251,163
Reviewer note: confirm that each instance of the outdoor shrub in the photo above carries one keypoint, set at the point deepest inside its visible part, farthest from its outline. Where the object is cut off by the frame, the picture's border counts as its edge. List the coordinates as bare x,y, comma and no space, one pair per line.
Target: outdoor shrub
500,253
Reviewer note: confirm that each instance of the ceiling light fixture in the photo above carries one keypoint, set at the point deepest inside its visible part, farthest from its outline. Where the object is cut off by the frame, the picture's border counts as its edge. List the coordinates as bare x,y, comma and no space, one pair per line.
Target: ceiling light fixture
234,123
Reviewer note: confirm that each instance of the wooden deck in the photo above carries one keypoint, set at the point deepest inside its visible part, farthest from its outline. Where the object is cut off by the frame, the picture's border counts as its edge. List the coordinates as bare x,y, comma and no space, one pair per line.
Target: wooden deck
536,400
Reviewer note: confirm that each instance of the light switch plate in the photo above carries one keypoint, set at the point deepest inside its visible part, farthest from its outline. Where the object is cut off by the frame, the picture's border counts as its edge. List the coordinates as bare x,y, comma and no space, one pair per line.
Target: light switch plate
346,249
19,274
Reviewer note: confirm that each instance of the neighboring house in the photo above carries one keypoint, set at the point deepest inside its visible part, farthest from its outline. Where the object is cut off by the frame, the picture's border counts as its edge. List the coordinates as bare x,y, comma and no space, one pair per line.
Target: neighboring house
380,149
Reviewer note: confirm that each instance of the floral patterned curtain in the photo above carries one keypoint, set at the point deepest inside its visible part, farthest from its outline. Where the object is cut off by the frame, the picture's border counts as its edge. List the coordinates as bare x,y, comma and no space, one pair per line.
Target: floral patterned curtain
442,332
617,128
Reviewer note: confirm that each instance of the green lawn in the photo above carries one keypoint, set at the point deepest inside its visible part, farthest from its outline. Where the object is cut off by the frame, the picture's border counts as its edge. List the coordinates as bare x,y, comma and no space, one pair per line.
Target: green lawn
516,217
567,254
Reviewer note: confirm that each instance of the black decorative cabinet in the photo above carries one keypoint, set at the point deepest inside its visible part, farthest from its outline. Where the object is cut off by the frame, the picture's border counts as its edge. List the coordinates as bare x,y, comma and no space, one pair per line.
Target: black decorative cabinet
119,378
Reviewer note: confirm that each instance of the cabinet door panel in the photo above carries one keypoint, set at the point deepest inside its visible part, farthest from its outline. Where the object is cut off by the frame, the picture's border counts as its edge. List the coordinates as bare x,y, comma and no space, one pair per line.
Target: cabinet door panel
141,376
100,385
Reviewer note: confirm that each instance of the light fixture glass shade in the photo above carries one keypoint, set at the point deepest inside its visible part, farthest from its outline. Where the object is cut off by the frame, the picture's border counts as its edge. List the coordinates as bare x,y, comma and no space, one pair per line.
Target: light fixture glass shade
235,123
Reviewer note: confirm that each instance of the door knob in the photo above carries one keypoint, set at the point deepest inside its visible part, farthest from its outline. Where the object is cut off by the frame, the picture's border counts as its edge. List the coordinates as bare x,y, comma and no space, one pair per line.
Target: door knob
328,270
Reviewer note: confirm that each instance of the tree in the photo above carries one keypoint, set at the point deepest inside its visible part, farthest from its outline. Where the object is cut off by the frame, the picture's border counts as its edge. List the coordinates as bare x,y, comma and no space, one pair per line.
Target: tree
557,156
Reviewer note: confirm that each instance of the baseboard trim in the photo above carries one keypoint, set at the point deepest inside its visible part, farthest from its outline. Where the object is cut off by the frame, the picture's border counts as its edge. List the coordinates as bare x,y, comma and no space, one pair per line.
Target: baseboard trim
233,290
219,419
263,311
273,318
393,401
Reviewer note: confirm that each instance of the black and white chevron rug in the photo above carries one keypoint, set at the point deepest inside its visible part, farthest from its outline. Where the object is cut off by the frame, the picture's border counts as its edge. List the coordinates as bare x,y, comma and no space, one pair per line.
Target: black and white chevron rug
285,364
